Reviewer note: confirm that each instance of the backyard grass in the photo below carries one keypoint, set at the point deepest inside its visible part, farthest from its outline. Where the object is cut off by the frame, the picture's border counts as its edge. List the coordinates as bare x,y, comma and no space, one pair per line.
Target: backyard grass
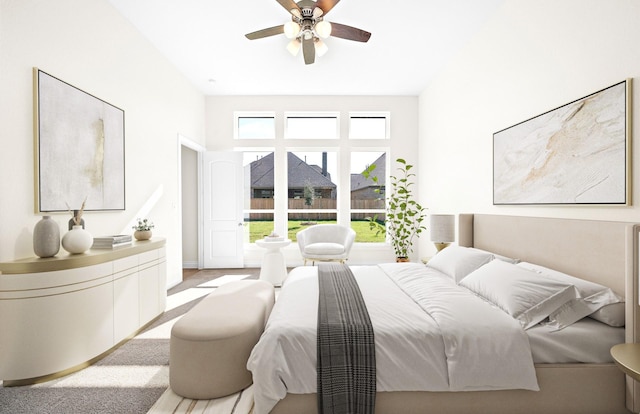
260,229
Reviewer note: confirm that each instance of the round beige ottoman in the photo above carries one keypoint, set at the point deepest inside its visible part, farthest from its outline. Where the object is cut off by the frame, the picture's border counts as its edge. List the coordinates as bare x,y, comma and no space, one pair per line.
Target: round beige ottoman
211,343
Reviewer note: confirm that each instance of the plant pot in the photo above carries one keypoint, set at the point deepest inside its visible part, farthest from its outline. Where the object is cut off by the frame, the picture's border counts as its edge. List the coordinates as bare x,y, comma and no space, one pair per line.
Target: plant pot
142,234
402,259
76,241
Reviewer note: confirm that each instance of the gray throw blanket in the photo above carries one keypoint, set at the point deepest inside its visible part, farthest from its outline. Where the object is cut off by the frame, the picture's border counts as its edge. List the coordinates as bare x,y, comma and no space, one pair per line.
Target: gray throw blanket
346,349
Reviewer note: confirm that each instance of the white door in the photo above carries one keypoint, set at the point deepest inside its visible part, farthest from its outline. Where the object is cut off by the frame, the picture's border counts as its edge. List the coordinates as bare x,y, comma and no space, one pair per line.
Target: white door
223,221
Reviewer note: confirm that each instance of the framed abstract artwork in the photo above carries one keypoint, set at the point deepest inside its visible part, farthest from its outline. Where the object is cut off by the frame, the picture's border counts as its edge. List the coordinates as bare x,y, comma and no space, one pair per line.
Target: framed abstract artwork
578,153
79,148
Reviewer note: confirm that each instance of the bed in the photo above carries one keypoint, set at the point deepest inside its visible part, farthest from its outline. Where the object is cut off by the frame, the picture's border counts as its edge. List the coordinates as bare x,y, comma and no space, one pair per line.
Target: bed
600,252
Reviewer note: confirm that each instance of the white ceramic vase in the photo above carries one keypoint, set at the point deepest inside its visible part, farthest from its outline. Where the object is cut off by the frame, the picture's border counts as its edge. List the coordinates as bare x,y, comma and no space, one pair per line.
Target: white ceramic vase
77,240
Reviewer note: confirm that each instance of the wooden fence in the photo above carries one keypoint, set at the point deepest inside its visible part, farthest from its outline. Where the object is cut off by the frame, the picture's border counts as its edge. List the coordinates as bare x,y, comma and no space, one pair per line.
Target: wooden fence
318,204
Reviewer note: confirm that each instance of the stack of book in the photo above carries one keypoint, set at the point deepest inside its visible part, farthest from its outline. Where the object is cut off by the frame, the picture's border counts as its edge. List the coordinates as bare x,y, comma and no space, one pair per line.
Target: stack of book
109,242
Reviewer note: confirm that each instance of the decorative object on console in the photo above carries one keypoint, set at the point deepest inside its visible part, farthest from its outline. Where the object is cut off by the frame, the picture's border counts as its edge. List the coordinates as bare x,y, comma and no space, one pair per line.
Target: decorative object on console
110,242
79,147
273,237
46,237
578,153
442,230
404,216
78,240
72,220
143,229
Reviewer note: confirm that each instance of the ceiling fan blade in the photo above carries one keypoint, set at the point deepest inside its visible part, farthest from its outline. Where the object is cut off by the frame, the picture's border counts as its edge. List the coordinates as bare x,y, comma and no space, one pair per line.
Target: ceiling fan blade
309,51
289,5
326,5
350,33
271,31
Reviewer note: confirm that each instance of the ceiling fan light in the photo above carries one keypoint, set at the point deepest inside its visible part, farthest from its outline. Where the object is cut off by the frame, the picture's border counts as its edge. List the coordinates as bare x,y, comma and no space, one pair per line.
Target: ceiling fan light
294,47
321,48
291,29
323,29
317,12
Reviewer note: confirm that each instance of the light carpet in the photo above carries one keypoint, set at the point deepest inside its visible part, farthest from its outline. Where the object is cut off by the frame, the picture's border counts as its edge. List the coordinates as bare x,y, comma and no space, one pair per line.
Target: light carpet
132,379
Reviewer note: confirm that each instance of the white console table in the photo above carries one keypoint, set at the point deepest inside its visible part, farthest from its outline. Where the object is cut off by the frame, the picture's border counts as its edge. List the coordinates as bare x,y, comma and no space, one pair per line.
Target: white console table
60,314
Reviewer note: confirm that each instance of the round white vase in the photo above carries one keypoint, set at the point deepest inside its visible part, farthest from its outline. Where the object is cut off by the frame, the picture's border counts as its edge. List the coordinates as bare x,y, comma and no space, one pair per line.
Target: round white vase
77,240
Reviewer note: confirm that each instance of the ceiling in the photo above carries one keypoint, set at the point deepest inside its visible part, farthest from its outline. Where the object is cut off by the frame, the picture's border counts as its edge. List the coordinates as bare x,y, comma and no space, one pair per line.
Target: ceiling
411,41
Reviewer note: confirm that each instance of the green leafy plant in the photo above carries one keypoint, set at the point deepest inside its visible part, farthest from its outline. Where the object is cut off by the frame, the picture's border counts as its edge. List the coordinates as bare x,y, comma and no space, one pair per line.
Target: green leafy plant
143,225
404,215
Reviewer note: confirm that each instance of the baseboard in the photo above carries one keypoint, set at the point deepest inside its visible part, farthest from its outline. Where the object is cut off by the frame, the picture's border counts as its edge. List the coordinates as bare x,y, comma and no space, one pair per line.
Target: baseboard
190,265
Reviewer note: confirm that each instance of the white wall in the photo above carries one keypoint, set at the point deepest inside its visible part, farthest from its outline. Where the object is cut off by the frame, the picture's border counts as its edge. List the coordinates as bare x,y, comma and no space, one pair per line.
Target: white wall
403,142
531,57
91,46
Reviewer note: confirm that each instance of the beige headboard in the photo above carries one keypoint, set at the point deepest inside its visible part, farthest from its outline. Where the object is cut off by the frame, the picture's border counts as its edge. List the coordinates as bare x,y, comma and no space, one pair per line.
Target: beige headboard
588,249
605,252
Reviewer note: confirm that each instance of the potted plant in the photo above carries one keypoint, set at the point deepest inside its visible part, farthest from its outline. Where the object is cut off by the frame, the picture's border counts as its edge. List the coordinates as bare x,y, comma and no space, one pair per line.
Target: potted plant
143,229
404,215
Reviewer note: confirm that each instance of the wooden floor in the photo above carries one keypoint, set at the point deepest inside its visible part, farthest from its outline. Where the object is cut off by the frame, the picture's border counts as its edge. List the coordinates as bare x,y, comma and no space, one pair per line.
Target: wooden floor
213,273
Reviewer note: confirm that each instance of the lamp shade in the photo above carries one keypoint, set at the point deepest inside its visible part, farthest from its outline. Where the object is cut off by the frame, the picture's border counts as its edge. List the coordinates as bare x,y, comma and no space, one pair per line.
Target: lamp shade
442,228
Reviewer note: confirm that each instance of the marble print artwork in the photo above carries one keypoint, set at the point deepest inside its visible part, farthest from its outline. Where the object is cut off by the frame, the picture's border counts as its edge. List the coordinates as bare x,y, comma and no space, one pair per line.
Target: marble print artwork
80,149
575,154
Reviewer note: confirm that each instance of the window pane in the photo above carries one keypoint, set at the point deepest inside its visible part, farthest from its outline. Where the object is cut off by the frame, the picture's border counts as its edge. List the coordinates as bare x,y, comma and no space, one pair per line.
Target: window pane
365,231
363,127
310,180
258,194
256,128
300,221
312,127
367,195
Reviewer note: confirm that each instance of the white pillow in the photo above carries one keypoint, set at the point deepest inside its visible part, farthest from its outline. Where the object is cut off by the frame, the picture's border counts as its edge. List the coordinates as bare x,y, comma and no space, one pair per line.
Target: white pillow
593,297
518,291
612,314
457,262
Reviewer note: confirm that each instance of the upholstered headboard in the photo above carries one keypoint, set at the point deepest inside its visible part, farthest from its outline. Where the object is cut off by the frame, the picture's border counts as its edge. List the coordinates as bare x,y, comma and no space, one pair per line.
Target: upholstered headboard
600,251
605,252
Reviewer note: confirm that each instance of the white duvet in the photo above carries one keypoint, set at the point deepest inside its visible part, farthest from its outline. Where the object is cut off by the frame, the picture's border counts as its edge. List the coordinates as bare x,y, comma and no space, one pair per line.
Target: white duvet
430,335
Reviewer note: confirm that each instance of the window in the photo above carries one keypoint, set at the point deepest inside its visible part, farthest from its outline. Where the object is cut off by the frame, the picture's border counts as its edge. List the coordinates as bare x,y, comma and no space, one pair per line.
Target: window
368,194
368,125
258,194
312,191
310,173
301,125
255,126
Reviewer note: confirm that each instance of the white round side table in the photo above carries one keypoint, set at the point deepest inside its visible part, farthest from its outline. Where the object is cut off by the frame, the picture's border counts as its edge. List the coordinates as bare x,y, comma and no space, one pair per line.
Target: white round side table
274,269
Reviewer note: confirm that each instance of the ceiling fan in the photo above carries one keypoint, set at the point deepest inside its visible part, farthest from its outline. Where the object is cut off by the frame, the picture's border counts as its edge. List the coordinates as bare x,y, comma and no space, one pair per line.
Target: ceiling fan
307,28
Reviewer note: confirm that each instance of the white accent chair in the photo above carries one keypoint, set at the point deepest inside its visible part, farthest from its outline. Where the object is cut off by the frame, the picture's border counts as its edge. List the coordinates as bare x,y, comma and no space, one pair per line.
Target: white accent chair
325,243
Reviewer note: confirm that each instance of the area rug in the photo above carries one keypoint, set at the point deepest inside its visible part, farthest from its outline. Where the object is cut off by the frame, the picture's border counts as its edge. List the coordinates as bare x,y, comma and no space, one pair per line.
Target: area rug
132,379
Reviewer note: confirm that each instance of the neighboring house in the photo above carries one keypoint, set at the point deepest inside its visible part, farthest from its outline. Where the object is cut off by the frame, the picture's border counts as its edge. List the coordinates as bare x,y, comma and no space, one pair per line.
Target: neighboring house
300,175
364,188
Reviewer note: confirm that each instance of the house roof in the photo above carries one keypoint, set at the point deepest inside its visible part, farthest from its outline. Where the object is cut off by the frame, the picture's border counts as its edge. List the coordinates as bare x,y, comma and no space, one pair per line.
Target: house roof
358,181
299,174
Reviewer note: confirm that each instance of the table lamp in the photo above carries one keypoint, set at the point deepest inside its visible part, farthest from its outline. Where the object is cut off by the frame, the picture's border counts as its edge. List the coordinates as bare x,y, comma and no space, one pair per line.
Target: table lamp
442,230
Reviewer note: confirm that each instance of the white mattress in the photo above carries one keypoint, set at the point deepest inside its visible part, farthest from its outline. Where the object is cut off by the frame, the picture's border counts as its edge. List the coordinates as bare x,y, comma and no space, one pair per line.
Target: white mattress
586,341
